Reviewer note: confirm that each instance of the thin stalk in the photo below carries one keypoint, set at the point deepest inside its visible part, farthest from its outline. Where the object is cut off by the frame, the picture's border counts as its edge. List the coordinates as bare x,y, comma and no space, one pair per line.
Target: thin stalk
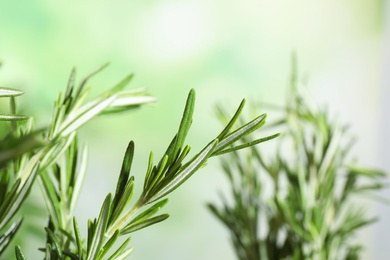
122,221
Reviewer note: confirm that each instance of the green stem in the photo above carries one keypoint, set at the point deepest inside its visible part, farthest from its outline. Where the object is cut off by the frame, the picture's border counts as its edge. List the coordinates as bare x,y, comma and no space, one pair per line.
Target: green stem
122,221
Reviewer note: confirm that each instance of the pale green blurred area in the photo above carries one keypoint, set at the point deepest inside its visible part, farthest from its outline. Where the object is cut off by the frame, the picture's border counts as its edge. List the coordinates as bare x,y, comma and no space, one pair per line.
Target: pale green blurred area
226,50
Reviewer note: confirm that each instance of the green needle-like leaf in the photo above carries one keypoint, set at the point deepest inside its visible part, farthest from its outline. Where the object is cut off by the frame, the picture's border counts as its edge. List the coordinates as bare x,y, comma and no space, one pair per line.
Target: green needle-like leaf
6,238
85,80
13,117
122,252
121,85
70,86
10,92
86,113
78,239
5,214
125,197
184,127
246,145
22,190
52,200
143,224
79,179
158,173
99,229
186,121
236,115
19,254
124,174
54,241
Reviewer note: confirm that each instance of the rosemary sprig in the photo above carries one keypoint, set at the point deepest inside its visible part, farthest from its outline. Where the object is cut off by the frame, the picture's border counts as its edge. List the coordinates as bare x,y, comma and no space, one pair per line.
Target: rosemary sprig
59,164
117,219
300,202
51,153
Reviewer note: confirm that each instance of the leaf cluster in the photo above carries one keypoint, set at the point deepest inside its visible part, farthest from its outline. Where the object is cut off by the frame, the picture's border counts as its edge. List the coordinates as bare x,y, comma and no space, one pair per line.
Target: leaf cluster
117,218
59,165
302,202
51,154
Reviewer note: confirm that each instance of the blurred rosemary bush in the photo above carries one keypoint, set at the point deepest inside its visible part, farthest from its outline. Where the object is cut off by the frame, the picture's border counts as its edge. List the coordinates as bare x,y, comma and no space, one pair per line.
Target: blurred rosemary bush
304,200
53,158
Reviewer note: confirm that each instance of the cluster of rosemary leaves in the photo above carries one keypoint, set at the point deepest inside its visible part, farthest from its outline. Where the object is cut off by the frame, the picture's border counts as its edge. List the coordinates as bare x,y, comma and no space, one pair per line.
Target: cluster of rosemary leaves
303,201
53,158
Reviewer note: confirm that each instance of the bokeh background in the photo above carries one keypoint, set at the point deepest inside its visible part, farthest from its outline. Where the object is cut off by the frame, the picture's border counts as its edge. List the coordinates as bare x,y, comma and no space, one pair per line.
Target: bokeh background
226,50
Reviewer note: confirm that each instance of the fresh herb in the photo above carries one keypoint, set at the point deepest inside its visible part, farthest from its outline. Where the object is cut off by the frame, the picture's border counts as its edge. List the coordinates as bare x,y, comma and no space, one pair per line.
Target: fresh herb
303,201
58,162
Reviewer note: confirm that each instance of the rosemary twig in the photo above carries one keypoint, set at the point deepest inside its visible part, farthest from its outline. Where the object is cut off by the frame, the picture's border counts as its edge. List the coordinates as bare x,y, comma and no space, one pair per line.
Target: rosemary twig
59,163
297,203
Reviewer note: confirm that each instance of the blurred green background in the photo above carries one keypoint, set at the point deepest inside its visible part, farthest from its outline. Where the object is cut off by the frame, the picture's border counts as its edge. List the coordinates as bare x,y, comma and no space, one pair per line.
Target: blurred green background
226,50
